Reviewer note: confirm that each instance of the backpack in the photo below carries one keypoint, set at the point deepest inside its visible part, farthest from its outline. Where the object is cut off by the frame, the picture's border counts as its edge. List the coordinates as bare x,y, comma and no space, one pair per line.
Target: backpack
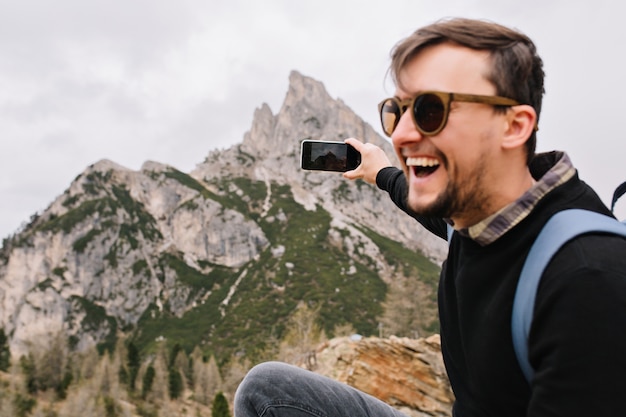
560,229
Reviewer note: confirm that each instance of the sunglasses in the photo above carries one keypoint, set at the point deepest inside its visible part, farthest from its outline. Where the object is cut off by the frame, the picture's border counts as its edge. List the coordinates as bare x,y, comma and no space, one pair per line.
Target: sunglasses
430,109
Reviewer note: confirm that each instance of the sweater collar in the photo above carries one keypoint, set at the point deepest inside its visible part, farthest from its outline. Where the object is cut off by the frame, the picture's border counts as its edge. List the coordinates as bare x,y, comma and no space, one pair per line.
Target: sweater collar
549,170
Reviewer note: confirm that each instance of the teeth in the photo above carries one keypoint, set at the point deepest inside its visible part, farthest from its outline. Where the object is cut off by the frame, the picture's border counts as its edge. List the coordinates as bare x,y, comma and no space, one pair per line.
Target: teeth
422,161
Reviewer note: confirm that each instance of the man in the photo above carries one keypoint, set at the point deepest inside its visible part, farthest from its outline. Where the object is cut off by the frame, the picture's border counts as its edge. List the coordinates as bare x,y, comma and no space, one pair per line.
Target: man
463,124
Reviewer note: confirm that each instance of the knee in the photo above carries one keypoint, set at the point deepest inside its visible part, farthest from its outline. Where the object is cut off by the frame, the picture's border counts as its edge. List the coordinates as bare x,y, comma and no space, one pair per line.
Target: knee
255,389
263,376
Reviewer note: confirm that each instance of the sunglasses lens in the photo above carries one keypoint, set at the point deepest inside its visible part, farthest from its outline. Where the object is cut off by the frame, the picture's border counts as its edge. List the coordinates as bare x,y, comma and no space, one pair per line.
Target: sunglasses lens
389,116
429,112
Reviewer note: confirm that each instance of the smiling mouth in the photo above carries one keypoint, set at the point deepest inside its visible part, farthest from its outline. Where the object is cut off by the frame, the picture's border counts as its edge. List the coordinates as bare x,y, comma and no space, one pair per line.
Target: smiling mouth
422,166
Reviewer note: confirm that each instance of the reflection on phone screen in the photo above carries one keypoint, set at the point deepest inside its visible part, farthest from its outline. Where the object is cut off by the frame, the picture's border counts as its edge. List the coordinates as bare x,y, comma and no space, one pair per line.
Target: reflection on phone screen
328,157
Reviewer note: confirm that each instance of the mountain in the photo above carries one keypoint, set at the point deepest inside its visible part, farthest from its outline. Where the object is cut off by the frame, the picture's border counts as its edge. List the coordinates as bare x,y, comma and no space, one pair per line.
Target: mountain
219,257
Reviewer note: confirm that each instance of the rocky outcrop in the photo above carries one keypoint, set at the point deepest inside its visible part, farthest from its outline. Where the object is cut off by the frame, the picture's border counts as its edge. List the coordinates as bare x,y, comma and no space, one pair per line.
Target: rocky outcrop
107,245
406,373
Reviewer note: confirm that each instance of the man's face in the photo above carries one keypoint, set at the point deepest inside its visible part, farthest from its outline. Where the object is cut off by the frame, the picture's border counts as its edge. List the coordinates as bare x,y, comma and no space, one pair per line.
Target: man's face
449,174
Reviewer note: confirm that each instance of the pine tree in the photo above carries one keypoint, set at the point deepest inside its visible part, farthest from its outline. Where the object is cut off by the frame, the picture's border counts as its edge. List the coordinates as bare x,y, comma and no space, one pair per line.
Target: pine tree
302,335
148,380
159,393
403,314
200,377
178,366
182,364
133,363
214,377
175,383
220,406
52,365
5,353
27,363
175,350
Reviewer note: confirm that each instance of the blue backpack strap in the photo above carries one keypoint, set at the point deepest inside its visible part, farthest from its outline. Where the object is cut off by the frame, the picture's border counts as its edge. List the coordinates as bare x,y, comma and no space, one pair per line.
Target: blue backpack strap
561,228
450,231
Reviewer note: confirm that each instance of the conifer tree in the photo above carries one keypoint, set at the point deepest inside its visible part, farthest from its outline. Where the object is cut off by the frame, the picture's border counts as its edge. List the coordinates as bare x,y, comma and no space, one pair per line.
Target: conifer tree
27,363
177,367
154,377
220,406
5,353
403,313
175,383
200,377
175,350
302,335
133,363
182,363
148,380
214,377
52,365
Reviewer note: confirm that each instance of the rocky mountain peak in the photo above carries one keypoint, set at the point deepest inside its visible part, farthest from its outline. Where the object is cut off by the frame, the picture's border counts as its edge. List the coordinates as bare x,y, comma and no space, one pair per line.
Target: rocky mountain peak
306,92
159,253
303,113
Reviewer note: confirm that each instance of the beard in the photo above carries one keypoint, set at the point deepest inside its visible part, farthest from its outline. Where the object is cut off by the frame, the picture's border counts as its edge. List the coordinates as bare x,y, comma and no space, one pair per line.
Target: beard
465,195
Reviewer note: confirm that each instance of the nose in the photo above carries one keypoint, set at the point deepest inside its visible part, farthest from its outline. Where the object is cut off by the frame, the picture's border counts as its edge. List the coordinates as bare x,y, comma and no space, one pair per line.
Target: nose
405,132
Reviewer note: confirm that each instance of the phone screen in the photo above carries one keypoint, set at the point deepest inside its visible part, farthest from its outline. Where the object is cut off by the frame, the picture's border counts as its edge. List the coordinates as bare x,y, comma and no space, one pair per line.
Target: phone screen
329,156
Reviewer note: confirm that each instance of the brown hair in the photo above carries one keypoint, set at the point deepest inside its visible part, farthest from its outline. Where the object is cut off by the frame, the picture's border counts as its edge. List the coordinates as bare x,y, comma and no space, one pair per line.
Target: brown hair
517,70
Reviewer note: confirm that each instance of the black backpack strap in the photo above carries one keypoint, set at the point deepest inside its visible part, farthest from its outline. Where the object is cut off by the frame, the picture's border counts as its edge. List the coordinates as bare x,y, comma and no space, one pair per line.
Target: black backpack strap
619,191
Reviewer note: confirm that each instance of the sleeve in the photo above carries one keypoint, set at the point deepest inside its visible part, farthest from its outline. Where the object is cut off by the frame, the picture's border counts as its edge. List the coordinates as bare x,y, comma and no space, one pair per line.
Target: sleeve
392,180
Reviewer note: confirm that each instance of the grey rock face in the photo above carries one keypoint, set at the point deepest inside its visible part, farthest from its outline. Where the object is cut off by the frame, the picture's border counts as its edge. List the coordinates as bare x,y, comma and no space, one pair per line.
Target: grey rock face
113,245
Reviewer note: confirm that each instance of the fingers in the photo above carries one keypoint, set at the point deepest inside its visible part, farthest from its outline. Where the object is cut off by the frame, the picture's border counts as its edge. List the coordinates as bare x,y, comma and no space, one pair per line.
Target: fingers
355,143
353,175
358,171
373,159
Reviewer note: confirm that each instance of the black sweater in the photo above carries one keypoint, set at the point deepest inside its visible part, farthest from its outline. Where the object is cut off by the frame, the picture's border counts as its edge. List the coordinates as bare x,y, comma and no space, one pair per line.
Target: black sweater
577,341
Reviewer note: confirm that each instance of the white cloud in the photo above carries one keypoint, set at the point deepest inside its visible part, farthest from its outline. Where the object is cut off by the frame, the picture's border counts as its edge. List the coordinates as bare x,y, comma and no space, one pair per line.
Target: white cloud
170,81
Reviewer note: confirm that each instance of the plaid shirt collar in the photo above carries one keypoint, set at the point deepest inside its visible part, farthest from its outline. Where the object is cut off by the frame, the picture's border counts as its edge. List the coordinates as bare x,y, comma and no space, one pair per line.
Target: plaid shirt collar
490,229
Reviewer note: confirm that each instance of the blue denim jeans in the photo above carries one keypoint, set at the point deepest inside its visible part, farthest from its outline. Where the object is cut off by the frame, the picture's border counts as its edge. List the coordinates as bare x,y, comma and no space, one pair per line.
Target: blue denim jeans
275,389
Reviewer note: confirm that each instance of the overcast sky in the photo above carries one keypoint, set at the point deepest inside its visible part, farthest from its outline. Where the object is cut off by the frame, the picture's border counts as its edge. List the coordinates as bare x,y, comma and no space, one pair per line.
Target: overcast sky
168,81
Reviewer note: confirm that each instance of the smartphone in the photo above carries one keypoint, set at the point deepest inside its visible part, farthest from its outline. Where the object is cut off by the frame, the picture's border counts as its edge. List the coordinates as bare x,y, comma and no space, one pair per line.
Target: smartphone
328,156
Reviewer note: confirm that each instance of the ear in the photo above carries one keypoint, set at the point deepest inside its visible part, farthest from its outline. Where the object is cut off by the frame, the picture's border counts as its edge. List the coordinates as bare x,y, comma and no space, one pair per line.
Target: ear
521,120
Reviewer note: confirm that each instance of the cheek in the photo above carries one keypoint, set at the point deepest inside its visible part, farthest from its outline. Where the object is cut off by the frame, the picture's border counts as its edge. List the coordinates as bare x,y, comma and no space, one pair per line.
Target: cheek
467,149
400,158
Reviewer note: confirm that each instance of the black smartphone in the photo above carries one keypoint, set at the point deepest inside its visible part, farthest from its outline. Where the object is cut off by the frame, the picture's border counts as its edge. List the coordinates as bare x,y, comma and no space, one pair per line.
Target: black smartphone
328,156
